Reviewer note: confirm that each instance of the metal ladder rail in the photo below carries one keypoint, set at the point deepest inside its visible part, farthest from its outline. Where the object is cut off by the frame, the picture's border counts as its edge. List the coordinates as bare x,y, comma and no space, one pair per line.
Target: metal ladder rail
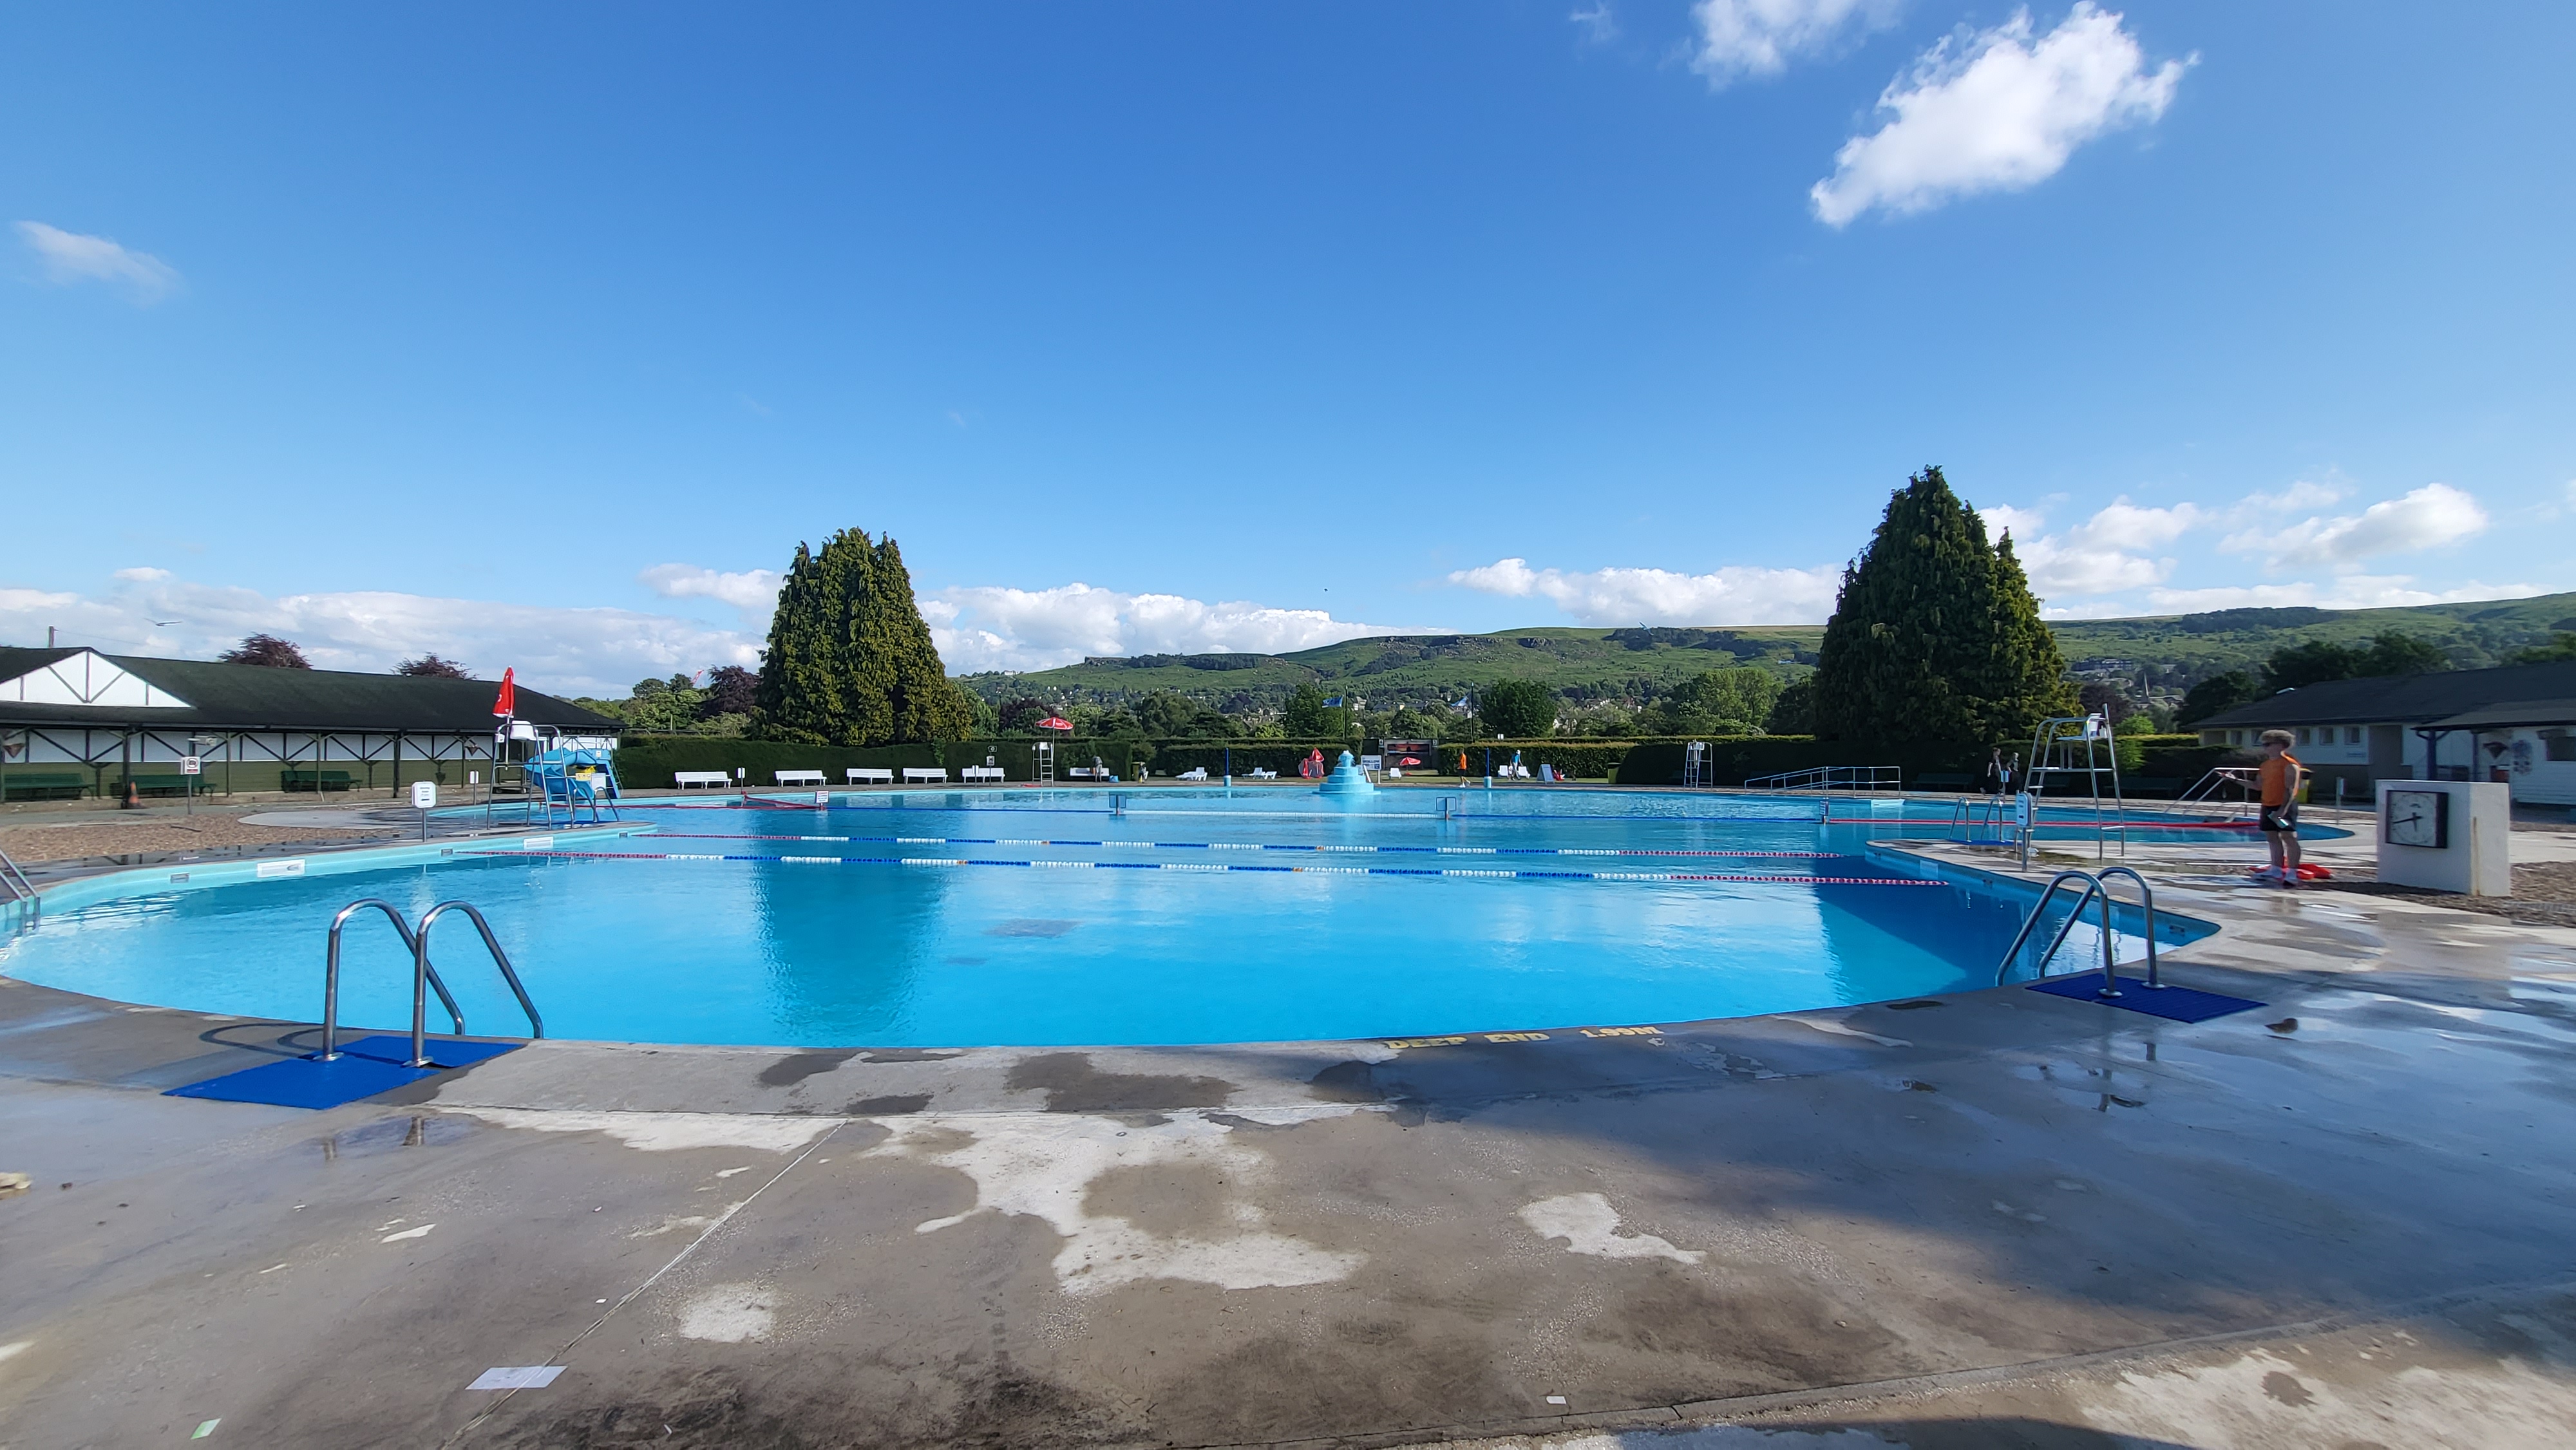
2146,907
15,881
420,976
423,972
2092,889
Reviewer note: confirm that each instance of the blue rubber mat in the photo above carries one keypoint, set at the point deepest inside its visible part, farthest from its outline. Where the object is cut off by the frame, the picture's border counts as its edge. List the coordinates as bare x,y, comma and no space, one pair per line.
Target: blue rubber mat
2175,1004
366,1067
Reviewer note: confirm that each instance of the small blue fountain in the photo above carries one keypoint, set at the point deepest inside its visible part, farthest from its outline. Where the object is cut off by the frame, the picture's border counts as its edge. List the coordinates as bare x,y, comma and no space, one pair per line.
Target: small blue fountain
1346,779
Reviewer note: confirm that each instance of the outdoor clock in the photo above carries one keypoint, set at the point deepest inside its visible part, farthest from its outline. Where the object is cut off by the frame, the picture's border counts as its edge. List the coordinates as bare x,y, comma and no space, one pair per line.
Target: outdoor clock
2418,818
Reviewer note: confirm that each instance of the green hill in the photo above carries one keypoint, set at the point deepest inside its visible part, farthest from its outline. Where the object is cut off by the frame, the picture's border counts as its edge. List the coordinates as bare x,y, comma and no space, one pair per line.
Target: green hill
2166,654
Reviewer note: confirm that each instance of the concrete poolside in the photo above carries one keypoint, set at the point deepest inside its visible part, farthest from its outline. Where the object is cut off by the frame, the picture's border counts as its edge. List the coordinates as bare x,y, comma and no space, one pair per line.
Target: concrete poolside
2009,1218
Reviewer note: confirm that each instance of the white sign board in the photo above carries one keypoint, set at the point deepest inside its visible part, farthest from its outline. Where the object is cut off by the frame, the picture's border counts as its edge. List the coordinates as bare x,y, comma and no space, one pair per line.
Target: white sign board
424,794
192,765
2447,835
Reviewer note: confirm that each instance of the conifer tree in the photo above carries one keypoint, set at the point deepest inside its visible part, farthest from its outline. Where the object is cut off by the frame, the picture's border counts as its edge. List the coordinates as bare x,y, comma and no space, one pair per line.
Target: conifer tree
1936,639
850,661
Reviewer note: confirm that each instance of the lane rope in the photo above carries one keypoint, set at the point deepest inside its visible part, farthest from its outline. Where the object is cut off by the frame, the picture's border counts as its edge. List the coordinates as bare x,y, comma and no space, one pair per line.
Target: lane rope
1773,878
1261,846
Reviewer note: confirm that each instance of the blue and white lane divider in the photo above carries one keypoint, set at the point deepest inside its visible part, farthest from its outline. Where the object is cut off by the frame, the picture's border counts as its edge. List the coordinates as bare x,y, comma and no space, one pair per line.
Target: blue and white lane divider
1266,846
1768,877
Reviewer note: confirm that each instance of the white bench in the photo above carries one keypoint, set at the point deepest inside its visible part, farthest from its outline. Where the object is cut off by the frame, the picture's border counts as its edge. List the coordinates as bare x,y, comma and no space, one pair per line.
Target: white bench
1091,772
712,779
1257,773
1196,773
917,774
973,774
797,777
867,775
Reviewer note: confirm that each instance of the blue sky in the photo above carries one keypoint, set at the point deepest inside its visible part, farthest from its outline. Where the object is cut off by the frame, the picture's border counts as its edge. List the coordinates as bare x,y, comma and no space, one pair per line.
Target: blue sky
535,338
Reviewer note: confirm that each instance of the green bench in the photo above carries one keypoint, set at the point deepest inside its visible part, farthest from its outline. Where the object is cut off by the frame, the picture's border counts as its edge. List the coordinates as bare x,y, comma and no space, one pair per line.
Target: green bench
167,782
293,778
1935,781
28,785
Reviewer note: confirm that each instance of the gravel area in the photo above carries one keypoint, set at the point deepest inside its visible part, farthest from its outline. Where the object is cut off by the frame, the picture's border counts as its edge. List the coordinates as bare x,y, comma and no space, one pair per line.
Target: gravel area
76,840
2544,894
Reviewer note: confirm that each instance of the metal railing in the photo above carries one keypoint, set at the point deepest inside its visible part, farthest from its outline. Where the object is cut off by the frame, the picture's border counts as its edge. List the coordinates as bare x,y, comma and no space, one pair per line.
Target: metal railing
424,979
2204,792
1857,778
422,972
14,881
2094,889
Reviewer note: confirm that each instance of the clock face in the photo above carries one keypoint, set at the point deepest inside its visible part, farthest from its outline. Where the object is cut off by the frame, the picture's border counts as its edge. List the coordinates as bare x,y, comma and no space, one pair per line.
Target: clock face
2418,818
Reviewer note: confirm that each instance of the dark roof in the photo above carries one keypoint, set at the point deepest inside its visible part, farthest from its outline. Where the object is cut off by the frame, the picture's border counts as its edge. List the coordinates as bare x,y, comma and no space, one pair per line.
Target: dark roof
258,697
2514,712
2401,699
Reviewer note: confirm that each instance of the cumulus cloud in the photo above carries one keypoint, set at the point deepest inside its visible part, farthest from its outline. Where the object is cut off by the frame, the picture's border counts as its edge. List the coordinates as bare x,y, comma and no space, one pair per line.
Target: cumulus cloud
2104,554
1999,112
2352,591
753,591
1620,597
991,627
2428,518
560,651
69,257
1599,24
1739,38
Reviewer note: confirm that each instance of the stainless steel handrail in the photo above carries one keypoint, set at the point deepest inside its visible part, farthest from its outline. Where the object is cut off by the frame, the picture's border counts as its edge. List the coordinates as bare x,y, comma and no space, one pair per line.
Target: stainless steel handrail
420,960
2146,905
2048,893
421,972
15,880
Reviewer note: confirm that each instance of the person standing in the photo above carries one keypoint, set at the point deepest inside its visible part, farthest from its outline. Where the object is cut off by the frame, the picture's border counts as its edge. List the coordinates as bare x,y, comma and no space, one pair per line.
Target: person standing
2280,777
1995,781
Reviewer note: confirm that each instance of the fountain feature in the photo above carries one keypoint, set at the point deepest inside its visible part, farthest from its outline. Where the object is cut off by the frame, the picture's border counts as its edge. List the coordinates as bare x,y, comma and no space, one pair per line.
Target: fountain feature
1346,779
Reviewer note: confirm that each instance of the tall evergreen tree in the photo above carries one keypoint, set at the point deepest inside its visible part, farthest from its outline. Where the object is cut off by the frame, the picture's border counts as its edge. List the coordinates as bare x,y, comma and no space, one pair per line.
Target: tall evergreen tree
850,661
1936,639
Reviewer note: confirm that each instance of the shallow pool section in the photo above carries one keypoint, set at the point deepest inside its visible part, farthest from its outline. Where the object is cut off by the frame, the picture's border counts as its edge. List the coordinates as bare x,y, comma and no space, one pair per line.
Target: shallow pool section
946,918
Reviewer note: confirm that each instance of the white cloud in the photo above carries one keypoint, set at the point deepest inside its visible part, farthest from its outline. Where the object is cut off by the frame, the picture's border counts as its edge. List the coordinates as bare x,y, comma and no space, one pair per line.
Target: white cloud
69,257
142,575
2099,556
753,591
1760,37
1600,25
2352,591
2428,518
998,628
560,651
1999,113
1620,597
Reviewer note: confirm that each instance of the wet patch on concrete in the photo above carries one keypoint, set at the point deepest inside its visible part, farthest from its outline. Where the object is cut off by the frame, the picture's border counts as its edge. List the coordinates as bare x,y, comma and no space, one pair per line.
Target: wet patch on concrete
909,1054
391,1135
1348,1082
795,1067
1073,1085
893,1105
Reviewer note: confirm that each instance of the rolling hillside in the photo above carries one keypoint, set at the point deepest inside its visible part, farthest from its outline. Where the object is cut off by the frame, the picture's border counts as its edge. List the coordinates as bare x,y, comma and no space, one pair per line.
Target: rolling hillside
2168,653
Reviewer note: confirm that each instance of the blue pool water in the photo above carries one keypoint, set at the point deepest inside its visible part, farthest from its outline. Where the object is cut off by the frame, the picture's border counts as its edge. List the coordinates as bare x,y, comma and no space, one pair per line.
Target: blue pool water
1191,916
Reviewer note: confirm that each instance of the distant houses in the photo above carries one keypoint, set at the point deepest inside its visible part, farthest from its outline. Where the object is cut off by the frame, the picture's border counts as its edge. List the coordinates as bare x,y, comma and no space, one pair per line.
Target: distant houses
2516,725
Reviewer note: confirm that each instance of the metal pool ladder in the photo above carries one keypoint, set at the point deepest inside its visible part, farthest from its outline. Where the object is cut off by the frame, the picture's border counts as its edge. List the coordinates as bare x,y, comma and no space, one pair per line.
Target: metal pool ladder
424,977
2094,889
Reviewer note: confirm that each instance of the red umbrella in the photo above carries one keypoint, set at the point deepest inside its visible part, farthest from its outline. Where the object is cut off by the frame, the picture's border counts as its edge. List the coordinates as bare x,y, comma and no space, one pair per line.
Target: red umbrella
507,703
1055,722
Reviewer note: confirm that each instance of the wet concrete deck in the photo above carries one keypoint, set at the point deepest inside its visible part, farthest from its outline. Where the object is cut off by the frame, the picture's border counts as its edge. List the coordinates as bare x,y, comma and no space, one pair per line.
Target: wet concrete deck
1992,1218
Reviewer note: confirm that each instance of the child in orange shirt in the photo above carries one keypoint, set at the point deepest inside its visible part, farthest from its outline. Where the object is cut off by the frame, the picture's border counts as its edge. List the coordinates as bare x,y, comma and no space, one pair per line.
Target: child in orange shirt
2280,823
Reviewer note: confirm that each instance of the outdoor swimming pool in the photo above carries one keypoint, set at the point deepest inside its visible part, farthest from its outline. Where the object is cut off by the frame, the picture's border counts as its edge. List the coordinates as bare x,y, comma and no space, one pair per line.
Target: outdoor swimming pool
952,918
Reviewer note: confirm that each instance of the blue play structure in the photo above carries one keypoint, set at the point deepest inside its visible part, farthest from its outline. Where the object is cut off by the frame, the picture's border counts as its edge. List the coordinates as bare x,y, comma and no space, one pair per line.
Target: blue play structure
1347,779
562,784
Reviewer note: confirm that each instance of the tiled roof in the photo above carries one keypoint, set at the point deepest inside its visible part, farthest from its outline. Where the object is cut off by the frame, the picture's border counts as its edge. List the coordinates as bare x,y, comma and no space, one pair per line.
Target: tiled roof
256,697
2401,699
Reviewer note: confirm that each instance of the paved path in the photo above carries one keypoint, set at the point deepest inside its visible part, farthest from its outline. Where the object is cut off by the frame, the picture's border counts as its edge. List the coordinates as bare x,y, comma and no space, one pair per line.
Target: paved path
1990,1218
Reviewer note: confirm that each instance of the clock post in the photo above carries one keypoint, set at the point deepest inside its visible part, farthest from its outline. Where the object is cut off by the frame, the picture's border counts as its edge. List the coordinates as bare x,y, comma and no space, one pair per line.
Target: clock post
2446,835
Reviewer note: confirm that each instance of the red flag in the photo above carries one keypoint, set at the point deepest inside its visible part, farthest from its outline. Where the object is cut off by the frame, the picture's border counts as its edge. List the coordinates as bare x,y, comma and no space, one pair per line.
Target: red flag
507,704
